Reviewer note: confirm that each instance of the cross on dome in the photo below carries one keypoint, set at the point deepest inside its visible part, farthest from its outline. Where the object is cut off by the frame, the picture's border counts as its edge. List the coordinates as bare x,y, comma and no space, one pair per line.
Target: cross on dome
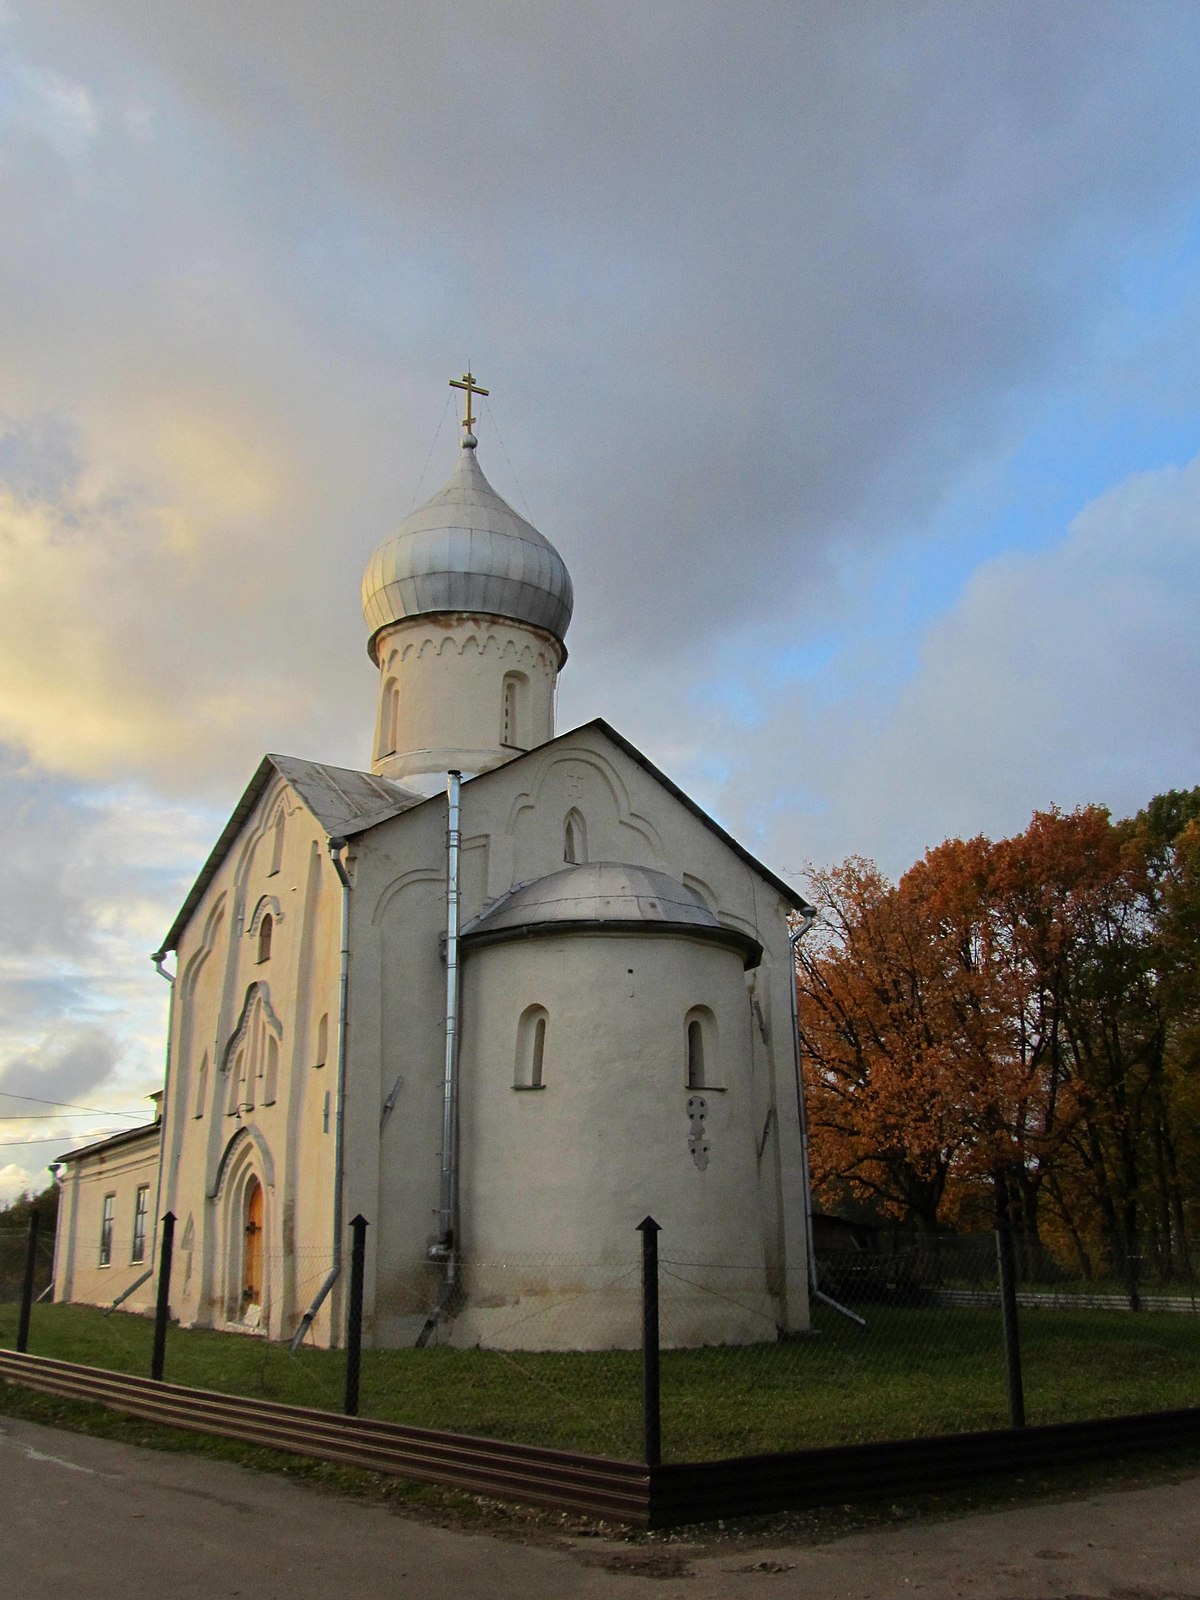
468,383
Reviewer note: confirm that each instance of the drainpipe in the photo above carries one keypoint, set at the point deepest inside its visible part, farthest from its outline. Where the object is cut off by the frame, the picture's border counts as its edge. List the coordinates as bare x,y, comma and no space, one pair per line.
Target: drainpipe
443,1250
60,1183
170,977
337,849
794,939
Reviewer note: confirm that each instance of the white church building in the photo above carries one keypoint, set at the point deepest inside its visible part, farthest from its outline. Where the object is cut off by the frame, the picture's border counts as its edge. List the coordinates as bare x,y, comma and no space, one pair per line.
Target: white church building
504,994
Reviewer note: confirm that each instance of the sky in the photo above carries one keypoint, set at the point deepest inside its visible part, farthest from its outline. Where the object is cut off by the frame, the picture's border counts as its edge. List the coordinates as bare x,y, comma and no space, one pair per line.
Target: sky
848,354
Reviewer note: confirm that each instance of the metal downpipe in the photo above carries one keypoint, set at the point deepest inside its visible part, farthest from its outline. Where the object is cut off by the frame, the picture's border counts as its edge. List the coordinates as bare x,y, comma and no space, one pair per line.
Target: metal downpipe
444,1249
336,851
170,977
814,1289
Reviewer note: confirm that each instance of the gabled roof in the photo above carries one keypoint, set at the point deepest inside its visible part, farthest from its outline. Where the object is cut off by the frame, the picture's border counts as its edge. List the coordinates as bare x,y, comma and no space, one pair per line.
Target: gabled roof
346,802
342,800
598,725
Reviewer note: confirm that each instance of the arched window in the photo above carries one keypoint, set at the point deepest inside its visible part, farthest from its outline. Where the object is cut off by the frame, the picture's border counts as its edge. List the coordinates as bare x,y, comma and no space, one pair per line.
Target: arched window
322,1054
389,717
277,843
530,1071
513,711
700,1033
201,1087
575,848
265,929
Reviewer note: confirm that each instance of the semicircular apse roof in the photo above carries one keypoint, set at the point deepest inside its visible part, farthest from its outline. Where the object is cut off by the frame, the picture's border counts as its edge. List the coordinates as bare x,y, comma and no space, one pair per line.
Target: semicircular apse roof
600,894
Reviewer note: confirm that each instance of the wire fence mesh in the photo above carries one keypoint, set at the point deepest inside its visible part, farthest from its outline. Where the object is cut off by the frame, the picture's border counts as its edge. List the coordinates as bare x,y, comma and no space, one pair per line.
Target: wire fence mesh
903,1340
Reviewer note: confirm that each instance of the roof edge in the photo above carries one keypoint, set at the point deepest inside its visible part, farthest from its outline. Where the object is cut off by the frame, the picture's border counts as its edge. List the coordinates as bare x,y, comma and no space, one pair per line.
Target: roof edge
126,1136
748,948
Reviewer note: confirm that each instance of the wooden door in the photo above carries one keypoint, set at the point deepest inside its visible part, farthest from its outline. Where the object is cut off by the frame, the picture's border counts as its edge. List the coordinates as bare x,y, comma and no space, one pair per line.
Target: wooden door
252,1256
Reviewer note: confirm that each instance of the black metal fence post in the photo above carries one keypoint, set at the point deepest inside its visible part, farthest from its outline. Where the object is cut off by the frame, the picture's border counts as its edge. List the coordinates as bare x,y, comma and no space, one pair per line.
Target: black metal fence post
651,1389
1008,1316
358,1255
35,1222
162,1311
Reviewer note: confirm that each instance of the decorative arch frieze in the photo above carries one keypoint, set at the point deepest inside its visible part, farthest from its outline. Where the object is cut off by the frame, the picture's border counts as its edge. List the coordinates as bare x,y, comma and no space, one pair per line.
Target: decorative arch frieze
627,817
251,1057
246,1144
267,902
484,641
261,993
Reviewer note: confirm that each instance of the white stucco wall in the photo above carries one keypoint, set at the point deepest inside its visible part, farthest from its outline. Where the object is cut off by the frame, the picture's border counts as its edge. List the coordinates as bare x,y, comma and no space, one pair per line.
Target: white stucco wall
555,1180
120,1172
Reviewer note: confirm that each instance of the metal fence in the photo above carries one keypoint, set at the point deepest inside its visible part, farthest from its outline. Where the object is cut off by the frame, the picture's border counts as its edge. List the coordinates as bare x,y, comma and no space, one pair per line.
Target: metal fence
919,1339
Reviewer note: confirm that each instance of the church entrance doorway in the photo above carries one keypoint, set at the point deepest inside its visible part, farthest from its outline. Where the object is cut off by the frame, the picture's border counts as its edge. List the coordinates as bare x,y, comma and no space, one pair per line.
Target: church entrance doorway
252,1254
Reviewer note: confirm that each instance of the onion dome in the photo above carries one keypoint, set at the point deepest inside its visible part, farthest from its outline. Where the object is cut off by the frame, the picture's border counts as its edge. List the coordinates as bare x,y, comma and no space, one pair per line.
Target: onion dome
467,550
606,897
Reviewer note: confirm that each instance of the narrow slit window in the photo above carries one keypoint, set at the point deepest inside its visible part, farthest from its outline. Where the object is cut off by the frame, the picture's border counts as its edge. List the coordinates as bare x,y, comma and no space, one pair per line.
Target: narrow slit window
537,1065
531,1049
322,1054
277,843
575,851
512,713
271,1072
509,734
265,930
389,717
201,1087
700,1048
695,1055
237,1083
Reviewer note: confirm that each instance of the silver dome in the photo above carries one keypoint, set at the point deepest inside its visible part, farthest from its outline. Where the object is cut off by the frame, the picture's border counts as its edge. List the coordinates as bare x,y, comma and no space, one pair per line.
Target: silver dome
467,550
606,894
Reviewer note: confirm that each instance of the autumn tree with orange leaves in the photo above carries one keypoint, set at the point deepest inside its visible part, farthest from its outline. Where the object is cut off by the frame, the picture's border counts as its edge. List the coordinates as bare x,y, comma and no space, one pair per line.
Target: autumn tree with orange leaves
1016,1025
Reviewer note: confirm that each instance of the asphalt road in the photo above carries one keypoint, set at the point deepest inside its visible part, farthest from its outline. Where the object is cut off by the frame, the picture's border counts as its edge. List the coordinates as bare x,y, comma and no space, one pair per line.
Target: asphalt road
97,1519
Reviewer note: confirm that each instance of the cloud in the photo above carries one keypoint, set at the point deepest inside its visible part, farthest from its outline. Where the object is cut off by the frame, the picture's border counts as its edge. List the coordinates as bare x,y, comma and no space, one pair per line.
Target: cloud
753,290
64,1069
1059,677
16,1181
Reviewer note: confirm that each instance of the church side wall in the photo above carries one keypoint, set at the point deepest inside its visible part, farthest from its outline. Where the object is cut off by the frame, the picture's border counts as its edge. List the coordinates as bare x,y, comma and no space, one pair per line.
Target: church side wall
251,1101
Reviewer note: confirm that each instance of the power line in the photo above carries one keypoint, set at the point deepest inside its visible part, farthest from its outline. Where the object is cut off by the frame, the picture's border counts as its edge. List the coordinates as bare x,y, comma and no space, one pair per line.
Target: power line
61,1116
70,1105
57,1138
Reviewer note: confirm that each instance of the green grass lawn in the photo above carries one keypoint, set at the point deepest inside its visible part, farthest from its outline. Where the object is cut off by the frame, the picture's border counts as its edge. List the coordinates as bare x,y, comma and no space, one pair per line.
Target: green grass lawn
908,1373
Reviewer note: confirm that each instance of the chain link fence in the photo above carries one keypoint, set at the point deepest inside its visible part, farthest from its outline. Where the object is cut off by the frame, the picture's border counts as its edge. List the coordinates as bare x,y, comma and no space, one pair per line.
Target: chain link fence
905,1339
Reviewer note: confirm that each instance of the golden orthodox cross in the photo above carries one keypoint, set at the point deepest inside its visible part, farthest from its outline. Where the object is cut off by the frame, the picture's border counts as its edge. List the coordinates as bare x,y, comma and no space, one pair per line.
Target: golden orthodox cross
468,383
